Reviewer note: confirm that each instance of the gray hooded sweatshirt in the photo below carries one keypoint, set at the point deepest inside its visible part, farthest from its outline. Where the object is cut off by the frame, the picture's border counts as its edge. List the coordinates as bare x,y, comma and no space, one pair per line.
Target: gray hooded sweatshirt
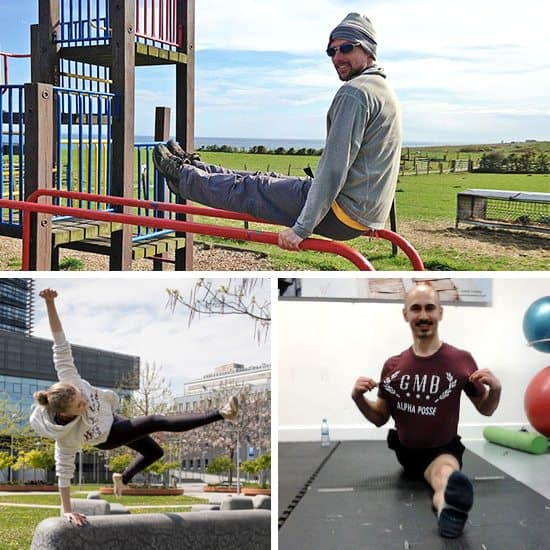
91,427
360,163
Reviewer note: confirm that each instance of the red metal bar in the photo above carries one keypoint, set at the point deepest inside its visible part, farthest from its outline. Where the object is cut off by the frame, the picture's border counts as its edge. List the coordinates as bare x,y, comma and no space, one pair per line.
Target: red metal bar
5,56
403,244
177,225
138,27
141,203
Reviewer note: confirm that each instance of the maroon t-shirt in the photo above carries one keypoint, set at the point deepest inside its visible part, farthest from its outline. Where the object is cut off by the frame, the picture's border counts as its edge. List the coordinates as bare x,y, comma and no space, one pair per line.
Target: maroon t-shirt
423,394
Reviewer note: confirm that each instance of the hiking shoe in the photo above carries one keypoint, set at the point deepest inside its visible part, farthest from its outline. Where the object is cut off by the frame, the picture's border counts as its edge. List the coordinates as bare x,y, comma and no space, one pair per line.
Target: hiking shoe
230,410
118,485
176,149
168,165
458,500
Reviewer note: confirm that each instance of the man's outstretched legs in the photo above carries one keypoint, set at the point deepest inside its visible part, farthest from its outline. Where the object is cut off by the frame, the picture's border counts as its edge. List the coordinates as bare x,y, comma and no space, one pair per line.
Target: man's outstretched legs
277,199
453,494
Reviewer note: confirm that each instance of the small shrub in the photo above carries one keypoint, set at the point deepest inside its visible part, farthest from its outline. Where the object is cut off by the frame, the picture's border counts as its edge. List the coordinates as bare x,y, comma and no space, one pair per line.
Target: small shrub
71,264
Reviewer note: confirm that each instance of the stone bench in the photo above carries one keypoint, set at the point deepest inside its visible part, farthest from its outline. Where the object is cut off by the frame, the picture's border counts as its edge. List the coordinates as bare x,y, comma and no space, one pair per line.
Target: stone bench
208,530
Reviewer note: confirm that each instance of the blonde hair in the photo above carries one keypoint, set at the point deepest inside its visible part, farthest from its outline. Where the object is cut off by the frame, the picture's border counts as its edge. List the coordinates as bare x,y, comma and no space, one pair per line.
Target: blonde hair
57,398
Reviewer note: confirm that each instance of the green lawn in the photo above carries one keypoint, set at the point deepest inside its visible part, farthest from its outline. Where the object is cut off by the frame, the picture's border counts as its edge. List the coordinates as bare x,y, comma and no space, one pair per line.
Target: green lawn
426,207
419,200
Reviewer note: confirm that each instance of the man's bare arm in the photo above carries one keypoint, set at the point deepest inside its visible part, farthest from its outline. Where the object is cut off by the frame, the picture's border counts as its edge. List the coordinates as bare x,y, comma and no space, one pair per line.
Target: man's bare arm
377,411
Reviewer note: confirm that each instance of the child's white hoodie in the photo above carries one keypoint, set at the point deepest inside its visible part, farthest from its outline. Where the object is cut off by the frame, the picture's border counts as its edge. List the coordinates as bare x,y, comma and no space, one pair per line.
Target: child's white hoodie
91,427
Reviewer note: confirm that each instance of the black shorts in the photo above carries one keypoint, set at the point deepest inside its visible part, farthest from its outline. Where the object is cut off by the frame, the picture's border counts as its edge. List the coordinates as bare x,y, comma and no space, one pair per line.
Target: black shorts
415,461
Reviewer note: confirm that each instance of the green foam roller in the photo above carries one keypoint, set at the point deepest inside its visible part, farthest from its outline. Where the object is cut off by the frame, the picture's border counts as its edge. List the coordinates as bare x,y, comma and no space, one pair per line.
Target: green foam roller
529,442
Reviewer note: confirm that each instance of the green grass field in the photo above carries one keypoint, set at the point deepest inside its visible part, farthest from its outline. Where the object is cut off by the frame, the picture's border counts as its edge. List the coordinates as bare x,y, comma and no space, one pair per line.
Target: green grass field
424,203
426,210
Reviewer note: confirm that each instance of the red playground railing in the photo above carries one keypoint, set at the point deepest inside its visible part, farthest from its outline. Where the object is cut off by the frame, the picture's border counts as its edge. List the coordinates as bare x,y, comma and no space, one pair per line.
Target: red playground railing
157,20
5,56
255,235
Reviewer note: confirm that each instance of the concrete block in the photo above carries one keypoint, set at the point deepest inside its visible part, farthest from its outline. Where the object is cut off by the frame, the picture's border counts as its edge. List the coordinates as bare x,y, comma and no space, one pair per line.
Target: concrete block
230,530
117,508
95,495
236,503
90,507
97,507
204,507
261,502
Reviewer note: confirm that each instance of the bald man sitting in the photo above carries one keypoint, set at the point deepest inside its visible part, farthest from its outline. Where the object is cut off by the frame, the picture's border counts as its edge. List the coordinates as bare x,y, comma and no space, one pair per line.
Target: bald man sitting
420,389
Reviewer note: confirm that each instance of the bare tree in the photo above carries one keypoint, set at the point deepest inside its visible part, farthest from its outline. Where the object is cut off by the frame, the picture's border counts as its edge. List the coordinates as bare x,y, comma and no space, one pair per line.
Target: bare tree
252,425
233,297
154,395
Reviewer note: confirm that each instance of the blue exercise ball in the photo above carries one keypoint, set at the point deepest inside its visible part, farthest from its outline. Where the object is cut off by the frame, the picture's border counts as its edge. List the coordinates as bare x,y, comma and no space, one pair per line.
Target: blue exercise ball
536,324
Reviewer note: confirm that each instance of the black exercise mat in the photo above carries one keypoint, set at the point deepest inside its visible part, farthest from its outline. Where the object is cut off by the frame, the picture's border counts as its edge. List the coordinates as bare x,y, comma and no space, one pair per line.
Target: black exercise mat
303,462
360,500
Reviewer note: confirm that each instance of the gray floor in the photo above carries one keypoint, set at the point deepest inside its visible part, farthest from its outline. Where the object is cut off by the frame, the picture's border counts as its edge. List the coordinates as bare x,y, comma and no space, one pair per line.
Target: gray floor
356,497
532,470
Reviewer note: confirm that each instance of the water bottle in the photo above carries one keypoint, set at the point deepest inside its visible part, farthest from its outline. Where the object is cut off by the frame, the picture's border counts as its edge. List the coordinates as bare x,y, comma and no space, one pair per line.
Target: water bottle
325,437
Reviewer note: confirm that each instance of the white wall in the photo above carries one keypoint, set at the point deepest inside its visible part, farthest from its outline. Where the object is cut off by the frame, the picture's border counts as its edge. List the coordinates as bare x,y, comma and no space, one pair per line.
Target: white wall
324,346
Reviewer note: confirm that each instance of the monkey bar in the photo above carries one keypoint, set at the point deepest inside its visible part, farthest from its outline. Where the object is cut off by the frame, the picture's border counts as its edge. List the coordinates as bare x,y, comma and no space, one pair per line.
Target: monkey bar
32,206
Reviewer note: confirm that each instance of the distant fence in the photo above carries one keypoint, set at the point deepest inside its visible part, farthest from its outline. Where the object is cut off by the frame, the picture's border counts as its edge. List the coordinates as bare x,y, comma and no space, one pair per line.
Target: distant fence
424,166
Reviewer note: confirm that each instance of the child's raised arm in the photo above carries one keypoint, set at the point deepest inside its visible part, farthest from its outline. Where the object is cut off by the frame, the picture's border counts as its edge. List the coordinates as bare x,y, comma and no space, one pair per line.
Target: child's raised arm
49,295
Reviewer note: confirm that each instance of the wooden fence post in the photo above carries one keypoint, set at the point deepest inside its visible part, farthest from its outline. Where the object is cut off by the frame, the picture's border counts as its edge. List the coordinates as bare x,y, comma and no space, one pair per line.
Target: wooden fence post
39,167
122,168
185,109
162,123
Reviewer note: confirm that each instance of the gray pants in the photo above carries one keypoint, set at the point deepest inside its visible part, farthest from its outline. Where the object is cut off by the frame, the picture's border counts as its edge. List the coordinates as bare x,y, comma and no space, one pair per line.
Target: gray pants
272,197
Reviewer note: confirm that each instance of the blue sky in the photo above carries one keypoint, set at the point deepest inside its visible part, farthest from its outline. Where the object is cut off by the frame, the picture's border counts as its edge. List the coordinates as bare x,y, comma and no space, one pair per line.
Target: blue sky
129,315
469,72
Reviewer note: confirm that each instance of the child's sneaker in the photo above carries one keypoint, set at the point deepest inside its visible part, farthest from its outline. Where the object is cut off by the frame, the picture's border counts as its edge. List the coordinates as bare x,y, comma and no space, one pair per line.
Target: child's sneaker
230,410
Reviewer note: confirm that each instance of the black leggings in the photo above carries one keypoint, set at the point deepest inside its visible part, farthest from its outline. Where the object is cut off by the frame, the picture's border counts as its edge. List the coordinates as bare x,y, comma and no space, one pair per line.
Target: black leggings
134,433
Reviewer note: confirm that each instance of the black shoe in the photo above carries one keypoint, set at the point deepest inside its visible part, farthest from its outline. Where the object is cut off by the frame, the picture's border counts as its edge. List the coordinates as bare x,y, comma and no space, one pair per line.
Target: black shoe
169,166
176,149
451,523
459,498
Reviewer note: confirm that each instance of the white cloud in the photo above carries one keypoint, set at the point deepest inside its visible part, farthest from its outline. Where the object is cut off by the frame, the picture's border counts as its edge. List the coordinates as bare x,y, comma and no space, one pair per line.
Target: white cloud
472,57
129,316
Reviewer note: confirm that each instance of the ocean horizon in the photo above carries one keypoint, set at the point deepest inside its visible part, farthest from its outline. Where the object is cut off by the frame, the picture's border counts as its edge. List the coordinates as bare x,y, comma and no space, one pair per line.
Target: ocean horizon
274,143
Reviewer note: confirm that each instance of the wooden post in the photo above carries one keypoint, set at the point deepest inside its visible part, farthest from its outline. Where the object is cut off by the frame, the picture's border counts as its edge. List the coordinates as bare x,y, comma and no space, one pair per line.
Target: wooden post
162,123
44,58
39,166
185,109
123,78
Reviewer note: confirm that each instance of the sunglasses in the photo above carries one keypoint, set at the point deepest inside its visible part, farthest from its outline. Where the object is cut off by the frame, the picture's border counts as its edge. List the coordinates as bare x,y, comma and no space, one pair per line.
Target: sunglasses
344,48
